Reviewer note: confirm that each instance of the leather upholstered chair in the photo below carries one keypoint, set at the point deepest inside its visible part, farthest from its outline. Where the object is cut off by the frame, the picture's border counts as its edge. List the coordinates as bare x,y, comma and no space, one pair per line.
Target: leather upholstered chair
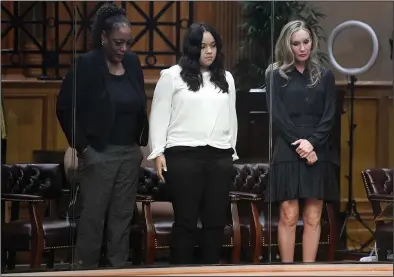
37,185
43,187
250,184
157,218
378,183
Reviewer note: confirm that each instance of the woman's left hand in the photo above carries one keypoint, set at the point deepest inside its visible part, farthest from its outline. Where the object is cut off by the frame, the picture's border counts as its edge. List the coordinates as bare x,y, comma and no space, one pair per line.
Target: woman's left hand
304,147
311,158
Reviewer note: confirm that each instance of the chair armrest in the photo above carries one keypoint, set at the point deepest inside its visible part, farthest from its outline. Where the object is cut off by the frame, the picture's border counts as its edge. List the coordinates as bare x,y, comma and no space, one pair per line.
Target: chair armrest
233,197
381,197
145,198
65,192
21,197
248,196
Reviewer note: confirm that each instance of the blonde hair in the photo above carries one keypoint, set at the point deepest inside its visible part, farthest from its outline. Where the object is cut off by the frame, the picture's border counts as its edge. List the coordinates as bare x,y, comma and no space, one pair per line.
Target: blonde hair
284,56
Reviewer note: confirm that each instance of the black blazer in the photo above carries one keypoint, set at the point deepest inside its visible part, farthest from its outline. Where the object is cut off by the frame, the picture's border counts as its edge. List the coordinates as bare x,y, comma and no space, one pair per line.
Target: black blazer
84,90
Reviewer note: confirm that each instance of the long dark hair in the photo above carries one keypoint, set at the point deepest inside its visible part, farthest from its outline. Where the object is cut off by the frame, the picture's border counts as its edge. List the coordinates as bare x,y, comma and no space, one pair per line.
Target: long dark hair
108,16
190,60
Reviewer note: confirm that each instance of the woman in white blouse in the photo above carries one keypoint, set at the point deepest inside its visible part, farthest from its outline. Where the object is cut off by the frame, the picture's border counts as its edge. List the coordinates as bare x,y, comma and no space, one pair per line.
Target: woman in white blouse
193,133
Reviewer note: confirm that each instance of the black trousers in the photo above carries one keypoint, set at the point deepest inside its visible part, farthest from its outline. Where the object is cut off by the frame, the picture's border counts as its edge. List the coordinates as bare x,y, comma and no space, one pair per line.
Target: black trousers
109,183
199,180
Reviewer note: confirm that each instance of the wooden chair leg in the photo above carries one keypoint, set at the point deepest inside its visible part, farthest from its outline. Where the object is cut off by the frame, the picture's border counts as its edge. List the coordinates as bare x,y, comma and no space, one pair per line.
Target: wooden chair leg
50,255
37,236
11,260
333,234
236,253
4,254
136,238
256,234
382,254
150,234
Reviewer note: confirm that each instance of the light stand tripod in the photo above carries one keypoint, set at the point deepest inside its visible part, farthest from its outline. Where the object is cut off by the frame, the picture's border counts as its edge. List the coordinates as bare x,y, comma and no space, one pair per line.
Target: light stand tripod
351,210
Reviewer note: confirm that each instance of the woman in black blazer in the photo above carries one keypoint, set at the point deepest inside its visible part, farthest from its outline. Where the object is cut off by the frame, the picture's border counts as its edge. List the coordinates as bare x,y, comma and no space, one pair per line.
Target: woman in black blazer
110,125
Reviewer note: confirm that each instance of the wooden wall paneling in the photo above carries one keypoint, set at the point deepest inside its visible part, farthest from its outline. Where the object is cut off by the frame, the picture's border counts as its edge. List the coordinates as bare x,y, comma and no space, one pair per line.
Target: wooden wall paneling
382,132
25,114
169,15
371,141
185,14
365,141
357,233
70,11
204,12
366,115
7,41
64,29
30,113
36,101
65,11
71,43
367,110
390,121
135,15
77,42
227,23
31,11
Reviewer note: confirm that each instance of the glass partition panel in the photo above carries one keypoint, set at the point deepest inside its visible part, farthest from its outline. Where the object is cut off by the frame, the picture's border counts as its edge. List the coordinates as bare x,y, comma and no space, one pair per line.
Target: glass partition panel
36,51
253,143
330,103
138,56
149,60
391,116
120,57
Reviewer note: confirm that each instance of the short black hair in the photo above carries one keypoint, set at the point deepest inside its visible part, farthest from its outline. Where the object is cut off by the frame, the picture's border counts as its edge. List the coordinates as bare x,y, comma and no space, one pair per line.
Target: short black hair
108,16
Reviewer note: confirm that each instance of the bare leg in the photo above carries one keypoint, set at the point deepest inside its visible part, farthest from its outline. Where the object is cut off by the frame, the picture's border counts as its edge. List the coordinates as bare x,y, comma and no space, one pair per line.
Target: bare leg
289,214
312,228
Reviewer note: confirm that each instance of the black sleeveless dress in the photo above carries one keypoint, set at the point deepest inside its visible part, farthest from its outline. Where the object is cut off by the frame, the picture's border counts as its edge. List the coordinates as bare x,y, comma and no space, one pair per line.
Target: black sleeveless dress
302,112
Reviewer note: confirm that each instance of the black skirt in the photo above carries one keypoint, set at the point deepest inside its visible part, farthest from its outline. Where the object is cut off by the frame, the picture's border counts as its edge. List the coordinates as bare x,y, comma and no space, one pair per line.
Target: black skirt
298,180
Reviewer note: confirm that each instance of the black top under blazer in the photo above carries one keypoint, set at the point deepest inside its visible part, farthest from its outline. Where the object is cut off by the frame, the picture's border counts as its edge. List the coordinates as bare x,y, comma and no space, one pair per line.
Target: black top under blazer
85,90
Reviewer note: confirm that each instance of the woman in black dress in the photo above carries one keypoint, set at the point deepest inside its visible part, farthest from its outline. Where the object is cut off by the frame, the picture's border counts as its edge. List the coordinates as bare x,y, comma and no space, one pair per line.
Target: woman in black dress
303,107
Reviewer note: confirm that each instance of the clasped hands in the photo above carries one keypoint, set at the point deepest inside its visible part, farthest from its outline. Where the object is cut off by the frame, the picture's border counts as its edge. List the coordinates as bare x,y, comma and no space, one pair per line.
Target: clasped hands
305,150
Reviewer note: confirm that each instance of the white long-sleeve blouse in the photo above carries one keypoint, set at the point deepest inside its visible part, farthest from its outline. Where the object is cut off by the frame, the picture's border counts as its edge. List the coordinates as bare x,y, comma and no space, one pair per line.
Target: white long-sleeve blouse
181,117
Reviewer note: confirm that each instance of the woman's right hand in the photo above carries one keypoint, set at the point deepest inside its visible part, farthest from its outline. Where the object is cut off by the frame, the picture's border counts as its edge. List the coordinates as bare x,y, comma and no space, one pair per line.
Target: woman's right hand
161,166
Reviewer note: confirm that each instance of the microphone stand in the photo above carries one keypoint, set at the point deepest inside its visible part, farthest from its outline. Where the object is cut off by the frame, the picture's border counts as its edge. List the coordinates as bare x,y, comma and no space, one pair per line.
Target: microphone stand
351,209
